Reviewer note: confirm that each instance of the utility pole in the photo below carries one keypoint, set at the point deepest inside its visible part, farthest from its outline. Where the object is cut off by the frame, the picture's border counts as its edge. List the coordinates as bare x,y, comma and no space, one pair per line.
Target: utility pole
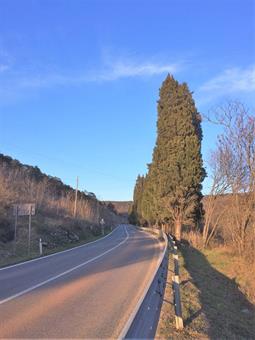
29,229
15,227
76,194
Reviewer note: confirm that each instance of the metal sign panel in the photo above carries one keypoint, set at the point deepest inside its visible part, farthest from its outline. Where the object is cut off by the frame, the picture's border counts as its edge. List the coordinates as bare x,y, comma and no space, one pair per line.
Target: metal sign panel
25,209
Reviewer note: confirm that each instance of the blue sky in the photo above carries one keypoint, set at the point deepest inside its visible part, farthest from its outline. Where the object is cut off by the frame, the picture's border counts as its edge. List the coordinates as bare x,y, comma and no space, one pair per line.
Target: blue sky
79,80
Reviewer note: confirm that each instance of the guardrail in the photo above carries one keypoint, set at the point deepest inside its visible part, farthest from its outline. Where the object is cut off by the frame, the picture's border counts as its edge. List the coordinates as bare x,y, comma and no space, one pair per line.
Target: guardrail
176,285
142,298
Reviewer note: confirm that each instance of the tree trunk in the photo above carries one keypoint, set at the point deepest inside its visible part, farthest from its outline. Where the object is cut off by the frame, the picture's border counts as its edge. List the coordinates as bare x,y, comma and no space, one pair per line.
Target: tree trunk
178,229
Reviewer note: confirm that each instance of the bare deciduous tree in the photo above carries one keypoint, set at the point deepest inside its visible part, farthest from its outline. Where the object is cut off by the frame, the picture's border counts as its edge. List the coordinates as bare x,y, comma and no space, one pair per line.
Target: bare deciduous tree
235,162
212,217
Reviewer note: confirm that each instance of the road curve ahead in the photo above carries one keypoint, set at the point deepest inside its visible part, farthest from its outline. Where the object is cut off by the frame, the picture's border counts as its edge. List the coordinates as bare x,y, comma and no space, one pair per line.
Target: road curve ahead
87,292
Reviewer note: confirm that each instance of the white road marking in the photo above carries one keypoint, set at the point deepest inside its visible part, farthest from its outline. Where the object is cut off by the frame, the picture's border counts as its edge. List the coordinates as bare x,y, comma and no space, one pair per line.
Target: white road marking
65,272
59,252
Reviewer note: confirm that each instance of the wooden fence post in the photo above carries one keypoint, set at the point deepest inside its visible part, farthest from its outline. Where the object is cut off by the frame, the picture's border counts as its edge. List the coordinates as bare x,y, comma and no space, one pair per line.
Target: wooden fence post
176,287
177,302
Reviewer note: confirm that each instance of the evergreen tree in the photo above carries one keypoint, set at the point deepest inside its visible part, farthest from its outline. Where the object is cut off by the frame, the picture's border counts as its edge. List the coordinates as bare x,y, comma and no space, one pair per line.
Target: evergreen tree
151,206
177,155
148,206
135,217
171,191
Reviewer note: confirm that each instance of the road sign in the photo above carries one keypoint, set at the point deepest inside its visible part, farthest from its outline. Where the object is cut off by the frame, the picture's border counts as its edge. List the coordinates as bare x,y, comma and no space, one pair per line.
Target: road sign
25,209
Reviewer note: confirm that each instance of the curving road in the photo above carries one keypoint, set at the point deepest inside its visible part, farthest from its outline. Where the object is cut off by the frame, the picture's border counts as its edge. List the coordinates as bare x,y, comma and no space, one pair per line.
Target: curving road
86,292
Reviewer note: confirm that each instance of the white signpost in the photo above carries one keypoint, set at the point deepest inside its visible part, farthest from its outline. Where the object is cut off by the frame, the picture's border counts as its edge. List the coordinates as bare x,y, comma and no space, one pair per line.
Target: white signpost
26,209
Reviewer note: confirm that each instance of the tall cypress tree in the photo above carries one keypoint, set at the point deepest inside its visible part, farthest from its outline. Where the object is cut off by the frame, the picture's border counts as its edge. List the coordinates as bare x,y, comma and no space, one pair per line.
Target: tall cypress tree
149,206
135,216
177,155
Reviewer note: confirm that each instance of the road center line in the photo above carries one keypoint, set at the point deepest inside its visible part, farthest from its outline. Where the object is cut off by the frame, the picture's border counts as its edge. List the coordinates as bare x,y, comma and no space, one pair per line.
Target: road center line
65,272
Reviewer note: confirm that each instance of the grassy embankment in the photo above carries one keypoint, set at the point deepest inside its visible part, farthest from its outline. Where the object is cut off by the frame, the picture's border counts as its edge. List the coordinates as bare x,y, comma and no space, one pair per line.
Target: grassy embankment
217,297
58,233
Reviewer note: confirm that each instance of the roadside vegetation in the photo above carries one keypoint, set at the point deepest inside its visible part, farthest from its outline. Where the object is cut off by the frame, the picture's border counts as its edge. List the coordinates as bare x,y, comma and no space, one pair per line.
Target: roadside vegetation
214,305
57,235
54,221
215,233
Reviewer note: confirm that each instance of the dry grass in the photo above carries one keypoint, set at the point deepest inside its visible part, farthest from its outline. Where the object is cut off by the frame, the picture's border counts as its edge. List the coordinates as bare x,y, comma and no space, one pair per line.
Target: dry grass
54,221
197,328
226,259
236,268
58,233
194,238
21,183
214,304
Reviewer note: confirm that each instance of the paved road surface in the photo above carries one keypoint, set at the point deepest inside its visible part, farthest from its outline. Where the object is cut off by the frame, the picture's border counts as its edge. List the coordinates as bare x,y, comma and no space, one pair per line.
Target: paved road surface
87,292
145,324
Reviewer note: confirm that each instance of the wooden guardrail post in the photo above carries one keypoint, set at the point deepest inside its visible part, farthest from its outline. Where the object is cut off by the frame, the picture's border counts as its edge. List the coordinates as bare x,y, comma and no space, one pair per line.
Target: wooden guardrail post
176,287
177,302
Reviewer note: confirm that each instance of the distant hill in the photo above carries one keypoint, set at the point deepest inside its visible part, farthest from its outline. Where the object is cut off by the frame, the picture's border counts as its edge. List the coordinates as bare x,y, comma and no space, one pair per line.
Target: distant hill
54,220
121,207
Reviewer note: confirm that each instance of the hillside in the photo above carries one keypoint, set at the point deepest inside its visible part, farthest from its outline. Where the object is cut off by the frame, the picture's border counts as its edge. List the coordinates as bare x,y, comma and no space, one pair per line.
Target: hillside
122,207
53,221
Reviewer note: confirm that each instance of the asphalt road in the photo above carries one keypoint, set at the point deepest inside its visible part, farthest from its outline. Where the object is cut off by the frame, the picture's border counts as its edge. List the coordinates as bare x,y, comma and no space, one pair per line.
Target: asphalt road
87,292
145,324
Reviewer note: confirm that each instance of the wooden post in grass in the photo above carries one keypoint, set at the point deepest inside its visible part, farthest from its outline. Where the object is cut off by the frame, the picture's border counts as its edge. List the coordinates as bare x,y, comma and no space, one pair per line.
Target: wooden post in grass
176,287
177,302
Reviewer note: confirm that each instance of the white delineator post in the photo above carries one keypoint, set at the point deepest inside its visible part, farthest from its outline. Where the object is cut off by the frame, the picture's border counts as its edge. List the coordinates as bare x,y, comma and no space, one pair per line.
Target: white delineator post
40,246
102,226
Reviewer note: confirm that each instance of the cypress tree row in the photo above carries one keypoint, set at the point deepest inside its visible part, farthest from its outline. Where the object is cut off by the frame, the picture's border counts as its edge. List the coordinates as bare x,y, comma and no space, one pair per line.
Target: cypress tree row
135,215
172,188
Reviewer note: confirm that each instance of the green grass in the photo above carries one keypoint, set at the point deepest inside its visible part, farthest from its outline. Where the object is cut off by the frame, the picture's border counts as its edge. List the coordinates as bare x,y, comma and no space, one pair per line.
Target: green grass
213,305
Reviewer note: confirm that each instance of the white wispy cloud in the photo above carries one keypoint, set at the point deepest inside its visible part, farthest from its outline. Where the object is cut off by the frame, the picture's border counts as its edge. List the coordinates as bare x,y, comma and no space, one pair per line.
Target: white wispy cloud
231,80
17,82
108,72
126,69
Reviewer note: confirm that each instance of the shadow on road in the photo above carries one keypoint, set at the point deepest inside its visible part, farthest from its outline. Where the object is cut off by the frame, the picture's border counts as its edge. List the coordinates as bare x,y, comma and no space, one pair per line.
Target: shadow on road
228,312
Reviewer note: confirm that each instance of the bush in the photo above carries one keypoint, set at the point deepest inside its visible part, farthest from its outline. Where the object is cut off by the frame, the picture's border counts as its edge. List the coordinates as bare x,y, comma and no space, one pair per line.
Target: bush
194,238
6,230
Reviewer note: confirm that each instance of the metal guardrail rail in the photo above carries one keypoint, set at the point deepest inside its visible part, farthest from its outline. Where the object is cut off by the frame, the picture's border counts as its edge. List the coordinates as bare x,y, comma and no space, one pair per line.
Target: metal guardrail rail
147,287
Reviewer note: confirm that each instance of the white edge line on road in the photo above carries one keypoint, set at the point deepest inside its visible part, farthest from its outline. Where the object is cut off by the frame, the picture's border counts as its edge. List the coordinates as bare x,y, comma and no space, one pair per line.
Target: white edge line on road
65,272
59,252
146,289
